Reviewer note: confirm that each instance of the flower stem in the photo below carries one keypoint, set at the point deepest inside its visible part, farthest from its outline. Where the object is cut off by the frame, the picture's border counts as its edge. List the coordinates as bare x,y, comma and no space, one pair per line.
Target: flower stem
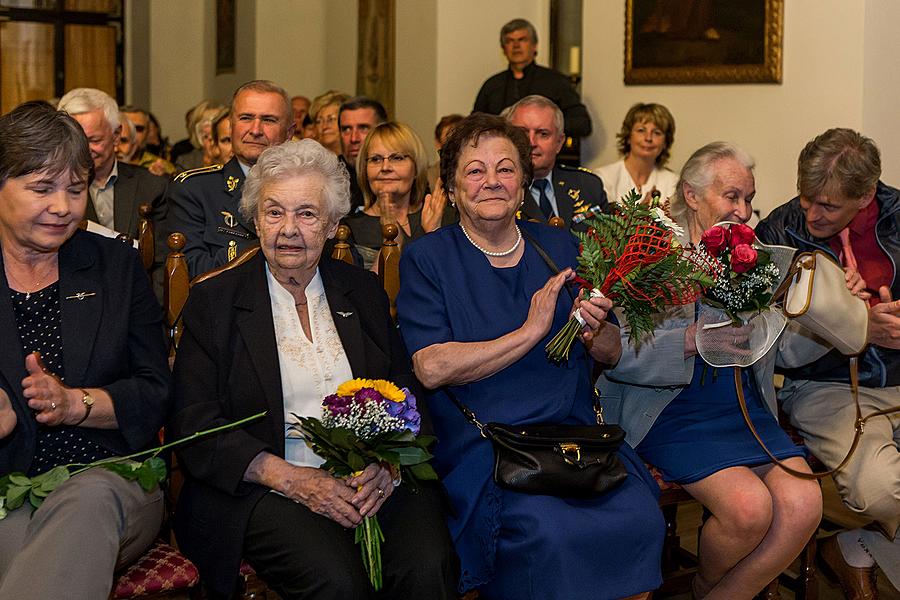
157,450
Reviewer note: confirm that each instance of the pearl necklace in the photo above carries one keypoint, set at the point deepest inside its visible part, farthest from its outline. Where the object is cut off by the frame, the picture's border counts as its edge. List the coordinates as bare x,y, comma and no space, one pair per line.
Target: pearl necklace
488,252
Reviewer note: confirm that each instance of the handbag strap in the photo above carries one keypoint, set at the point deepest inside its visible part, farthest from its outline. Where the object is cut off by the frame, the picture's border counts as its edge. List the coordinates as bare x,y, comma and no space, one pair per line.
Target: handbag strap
469,414
543,254
858,427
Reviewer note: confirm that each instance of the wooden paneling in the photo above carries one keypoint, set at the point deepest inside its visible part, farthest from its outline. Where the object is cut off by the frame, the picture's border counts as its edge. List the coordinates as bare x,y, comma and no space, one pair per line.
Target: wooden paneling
101,6
26,63
91,57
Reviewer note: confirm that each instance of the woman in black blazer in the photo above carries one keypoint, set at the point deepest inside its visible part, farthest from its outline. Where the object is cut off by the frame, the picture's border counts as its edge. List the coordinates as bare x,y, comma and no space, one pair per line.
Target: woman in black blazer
83,372
278,333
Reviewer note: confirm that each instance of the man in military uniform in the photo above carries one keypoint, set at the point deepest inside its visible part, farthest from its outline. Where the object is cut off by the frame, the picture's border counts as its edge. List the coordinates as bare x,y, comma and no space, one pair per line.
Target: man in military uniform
573,194
524,77
203,203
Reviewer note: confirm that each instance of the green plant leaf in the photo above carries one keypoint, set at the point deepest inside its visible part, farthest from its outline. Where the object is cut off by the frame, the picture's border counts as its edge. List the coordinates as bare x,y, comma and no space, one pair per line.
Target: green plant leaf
15,496
35,500
53,478
128,470
422,472
19,479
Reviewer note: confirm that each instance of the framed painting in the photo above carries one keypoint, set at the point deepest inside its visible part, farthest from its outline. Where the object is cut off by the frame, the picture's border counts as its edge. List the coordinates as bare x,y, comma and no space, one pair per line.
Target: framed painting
225,36
703,41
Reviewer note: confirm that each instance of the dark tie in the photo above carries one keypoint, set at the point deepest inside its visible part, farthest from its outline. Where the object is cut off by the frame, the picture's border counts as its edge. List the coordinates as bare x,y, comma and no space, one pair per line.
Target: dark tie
544,201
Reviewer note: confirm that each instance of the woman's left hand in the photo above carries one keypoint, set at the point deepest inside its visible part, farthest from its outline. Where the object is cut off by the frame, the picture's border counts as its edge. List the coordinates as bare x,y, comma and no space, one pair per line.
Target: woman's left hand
593,311
46,395
433,208
374,485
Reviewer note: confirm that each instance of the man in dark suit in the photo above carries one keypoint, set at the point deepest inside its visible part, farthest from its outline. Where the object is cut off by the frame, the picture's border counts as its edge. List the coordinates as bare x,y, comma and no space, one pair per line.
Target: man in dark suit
355,118
571,193
203,203
518,38
118,188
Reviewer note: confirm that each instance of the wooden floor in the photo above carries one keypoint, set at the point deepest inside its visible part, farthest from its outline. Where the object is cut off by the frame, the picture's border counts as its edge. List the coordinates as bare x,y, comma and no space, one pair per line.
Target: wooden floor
835,512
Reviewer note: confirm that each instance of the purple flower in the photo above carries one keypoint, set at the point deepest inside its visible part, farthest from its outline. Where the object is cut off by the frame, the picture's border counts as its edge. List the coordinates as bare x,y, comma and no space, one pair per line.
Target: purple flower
395,409
367,395
337,405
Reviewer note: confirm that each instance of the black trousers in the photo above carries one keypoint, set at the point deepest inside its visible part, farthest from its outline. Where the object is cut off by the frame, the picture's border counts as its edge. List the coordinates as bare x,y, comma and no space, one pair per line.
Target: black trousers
301,554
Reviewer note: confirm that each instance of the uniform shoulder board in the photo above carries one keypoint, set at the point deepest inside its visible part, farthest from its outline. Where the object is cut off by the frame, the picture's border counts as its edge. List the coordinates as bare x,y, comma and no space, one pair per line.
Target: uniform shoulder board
184,175
582,169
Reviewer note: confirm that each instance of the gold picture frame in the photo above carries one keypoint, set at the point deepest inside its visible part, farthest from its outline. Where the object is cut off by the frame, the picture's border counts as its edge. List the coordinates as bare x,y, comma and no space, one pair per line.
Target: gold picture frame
703,41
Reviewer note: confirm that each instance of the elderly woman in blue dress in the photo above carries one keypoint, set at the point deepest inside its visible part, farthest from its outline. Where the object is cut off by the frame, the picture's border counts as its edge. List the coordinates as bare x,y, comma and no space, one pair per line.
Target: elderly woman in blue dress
683,417
477,305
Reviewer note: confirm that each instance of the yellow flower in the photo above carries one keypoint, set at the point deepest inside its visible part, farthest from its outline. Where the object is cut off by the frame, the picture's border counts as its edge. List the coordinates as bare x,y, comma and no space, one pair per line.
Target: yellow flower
388,390
348,388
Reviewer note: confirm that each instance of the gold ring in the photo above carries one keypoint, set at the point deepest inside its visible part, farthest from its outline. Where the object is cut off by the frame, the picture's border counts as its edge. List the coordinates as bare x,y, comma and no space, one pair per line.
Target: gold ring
53,406
380,493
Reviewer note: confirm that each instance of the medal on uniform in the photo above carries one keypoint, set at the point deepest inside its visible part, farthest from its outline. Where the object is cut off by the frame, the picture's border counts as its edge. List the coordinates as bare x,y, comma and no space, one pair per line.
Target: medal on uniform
232,250
231,183
229,218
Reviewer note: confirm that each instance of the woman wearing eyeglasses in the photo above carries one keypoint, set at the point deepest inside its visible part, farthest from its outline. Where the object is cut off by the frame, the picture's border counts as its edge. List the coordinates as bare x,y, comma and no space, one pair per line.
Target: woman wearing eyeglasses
392,173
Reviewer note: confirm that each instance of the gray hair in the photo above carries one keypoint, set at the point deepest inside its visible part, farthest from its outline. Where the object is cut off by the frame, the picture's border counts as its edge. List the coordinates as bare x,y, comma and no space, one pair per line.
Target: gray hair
264,86
289,159
698,174
541,101
85,100
839,157
516,25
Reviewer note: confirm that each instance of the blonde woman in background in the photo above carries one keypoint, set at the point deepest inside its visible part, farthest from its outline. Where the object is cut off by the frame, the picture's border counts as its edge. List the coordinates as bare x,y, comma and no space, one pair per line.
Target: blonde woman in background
645,142
324,114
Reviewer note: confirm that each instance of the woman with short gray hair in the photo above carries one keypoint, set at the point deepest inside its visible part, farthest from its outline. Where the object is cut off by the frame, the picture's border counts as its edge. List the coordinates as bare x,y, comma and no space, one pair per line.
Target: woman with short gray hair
279,331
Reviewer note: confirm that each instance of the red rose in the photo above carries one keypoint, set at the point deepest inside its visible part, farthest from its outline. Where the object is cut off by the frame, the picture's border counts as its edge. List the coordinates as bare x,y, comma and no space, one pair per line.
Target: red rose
743,258
715,239
741,234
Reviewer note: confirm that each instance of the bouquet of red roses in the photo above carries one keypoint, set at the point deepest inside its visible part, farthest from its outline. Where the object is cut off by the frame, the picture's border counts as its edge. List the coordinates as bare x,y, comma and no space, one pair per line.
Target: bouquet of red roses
735,327
745,272
364,422
633,258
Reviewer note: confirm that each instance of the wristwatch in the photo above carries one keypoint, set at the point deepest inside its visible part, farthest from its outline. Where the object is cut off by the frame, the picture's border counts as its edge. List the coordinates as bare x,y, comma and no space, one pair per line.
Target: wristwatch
88,402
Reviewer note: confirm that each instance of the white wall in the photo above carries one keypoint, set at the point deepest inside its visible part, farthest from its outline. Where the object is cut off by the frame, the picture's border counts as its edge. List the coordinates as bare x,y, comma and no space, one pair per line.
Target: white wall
823,87
178,66
881,84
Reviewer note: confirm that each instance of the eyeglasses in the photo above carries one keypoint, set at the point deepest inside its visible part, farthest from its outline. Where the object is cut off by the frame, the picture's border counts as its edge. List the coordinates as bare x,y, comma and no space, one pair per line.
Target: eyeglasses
376,160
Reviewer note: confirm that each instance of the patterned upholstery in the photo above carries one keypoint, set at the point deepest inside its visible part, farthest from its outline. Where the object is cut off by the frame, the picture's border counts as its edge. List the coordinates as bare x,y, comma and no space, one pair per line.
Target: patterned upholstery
161,569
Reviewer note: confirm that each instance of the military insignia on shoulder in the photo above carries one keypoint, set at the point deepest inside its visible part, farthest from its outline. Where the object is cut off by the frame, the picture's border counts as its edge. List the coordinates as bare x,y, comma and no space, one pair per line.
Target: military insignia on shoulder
586,170
185,175
575,194
229,218
231,183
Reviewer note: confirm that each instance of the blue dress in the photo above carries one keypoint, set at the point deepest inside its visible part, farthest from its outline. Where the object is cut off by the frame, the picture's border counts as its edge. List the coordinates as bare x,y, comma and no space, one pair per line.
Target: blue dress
514,545
701,431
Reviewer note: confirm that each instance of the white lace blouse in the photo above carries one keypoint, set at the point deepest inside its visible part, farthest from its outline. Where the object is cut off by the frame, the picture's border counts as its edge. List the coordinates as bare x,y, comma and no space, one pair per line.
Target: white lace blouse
310,370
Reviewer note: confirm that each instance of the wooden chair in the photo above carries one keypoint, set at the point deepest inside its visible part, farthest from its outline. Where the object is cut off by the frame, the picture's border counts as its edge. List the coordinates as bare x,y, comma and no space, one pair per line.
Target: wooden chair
342,248
389,265
146,238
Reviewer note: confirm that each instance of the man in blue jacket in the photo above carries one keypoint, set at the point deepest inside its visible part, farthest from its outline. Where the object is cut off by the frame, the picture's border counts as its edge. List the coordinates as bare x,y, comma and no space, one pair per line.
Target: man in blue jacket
845,210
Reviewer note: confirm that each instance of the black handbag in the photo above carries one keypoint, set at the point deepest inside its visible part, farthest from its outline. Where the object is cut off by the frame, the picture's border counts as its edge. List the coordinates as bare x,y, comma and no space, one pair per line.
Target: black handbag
554,460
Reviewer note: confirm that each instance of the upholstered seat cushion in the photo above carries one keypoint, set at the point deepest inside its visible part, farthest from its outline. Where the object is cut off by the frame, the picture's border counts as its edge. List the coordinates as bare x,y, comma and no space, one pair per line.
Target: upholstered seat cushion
161,569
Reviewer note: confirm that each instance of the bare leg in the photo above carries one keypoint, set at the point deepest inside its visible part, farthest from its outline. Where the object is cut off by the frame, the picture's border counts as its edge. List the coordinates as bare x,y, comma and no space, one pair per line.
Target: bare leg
796,511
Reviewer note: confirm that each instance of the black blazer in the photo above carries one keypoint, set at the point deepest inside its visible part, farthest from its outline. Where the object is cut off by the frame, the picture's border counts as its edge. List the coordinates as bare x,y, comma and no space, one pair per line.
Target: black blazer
227,368
113,339
134,186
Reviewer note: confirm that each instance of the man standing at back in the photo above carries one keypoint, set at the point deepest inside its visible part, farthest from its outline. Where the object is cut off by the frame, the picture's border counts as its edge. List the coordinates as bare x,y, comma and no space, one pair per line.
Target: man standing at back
118,188
518,38
845,211
203,203
570,193
355,118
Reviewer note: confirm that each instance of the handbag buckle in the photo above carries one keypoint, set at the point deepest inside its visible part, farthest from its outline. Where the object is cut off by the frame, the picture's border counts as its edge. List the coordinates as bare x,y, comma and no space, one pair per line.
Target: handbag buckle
570,452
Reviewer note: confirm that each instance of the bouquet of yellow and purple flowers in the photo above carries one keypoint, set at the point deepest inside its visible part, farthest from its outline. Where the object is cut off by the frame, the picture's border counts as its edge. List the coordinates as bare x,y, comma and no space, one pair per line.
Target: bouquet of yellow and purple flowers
369,421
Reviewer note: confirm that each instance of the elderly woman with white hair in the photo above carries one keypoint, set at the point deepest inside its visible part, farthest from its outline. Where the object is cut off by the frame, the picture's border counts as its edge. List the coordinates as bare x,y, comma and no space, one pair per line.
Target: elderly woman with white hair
278,332
682,415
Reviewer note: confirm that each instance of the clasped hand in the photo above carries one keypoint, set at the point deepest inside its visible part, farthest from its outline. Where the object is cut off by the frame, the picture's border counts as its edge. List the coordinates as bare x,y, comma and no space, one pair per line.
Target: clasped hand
345,501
